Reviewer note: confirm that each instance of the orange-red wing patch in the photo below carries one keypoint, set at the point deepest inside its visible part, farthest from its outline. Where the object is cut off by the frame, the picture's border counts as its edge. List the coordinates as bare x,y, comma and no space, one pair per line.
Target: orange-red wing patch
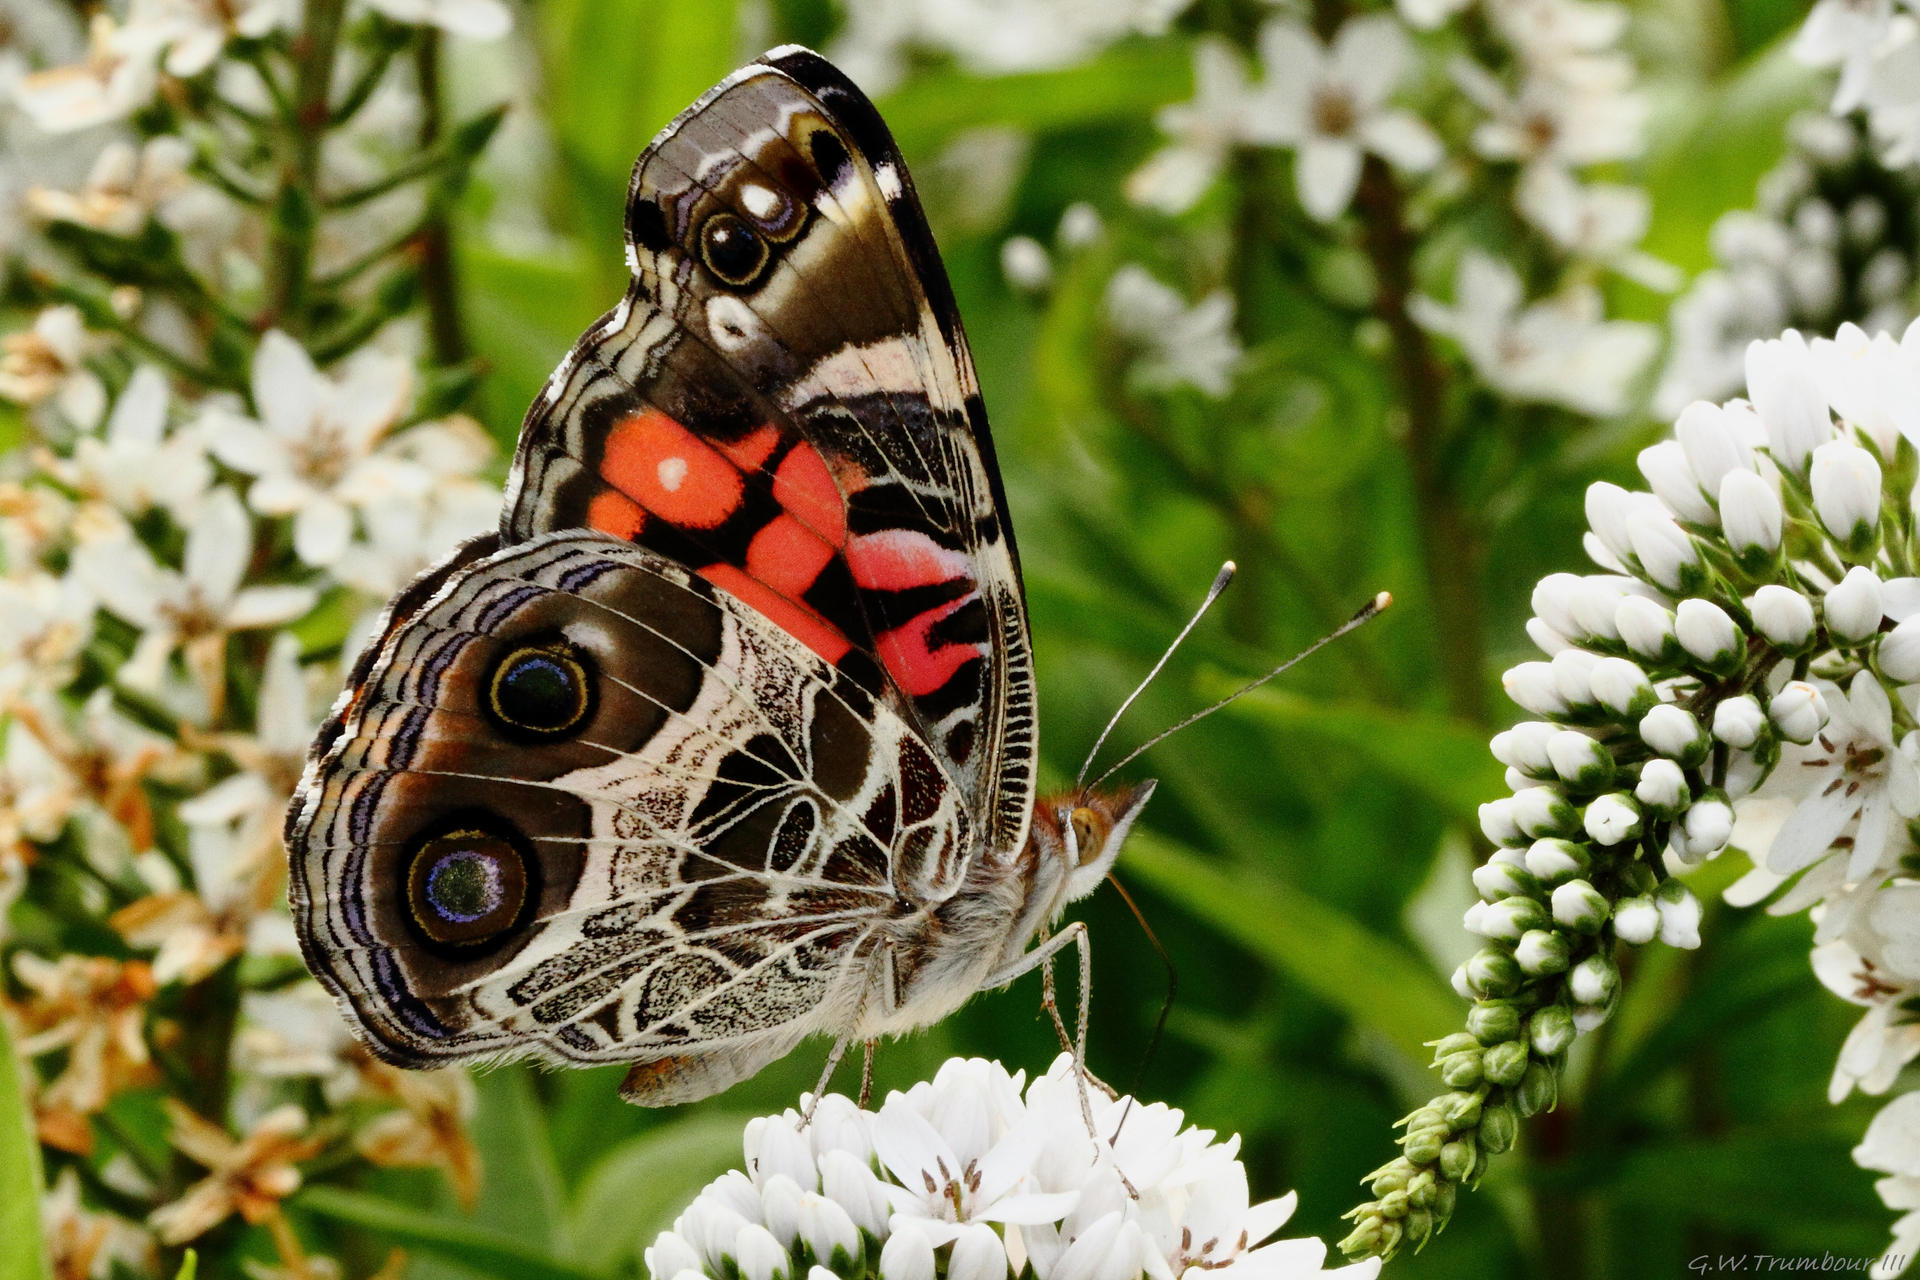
670,471
751,451
901,559
797,620
612,511
917,667
787,556
804,486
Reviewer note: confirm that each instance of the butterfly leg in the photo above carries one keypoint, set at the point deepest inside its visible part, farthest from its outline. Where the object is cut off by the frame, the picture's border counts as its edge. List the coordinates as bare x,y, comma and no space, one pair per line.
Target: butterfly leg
834,1055
1050,1001
1041,957
866,1074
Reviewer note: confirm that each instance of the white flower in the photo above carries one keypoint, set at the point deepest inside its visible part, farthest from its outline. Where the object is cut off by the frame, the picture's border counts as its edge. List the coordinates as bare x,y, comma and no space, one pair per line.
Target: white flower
1558,351
1179,344
1892,1146
1330,104
1844,33
1203,132
1601,221
1551,121
45,622
194,32
194,608
1875,964
321,450
135,464
1750,513
1853,771
983,1182
47,364
1846,489
118,77
1853,606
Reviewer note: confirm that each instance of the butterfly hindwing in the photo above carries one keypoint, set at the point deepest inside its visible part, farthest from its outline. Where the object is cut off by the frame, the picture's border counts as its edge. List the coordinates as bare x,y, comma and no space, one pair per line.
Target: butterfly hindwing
586,806
785,404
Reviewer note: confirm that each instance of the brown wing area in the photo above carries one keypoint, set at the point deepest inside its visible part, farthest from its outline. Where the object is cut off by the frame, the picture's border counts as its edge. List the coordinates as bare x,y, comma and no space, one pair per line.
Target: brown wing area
586,806
784,402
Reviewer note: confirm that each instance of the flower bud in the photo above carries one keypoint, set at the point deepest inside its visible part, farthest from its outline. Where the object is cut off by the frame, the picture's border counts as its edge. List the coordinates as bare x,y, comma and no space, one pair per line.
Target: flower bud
1798,712
1612,818
1853,606
1493,1023
1553,602
1506,919
1662,787
1664,551
1543,811
1636,919
1679,915
1705,631
977,1254
1621,686
1422,1146
1787,395
1705,830
1498,1128
1573,675
1553,861
1456,1161
760,1256
1712,447
1783,616
907,1255
1578,906
848,1180
1579,760
1462,985
1608,508
1456,1042
1751,515
1846,493
1673,732
1524,747
1672,481
1593,604
1593,980
1497,822
1538,1089
1462,1110
1550,1030
829,1231
1533,687
1505,1063
1542,951
1461,1070
780,1198
1644,626
1589,1017
670,1254
1899,656
1739,722
1545,638
1496,880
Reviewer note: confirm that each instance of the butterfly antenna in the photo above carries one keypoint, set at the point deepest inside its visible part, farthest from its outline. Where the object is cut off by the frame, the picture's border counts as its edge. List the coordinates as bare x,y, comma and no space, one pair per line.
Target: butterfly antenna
1373,609
1166,1006
1220,581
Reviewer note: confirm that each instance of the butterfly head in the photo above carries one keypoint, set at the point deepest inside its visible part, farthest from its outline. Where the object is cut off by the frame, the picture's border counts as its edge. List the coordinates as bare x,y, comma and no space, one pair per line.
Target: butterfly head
1093,824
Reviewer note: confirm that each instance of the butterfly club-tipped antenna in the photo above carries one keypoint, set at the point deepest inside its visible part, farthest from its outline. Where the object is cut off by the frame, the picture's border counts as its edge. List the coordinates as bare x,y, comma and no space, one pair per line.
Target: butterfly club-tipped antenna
1371,610
1220,581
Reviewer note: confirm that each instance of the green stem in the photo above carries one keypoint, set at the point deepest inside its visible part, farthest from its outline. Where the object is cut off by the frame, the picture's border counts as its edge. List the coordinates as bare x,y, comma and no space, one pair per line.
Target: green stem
290,250
439,281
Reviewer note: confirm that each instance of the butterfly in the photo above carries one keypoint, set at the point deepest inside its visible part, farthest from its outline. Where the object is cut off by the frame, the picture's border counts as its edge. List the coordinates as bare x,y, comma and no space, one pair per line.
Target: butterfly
727,737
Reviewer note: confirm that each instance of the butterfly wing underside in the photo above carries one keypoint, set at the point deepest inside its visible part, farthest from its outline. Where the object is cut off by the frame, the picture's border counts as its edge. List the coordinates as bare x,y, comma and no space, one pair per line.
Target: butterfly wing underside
688,866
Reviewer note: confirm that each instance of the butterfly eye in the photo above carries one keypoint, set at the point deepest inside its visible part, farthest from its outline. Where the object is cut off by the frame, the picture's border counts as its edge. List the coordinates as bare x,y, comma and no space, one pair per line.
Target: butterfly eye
466,887
1086,834
732,250
543,690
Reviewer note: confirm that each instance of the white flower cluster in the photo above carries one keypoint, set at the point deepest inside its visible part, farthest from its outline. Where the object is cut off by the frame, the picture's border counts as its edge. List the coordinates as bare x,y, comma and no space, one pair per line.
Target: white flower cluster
972,1178
1875,44
1832,238
1745,668
992,36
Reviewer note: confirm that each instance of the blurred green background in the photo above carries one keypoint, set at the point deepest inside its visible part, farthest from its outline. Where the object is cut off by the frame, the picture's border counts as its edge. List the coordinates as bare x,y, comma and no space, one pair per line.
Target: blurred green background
1305,858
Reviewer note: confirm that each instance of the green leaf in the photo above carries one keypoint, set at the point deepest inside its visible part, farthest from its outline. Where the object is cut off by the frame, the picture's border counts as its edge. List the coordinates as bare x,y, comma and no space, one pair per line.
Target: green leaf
1376,981
19,1174
636,1189
189,1266
479,1248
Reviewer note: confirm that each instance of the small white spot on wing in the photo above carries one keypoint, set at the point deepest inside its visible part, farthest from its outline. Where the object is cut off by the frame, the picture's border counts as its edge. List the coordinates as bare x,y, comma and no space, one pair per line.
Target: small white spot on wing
672,471
761,202
887,178
731,322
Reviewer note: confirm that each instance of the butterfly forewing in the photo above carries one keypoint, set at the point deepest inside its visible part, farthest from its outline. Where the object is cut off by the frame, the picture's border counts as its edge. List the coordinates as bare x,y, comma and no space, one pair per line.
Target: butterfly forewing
785,403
